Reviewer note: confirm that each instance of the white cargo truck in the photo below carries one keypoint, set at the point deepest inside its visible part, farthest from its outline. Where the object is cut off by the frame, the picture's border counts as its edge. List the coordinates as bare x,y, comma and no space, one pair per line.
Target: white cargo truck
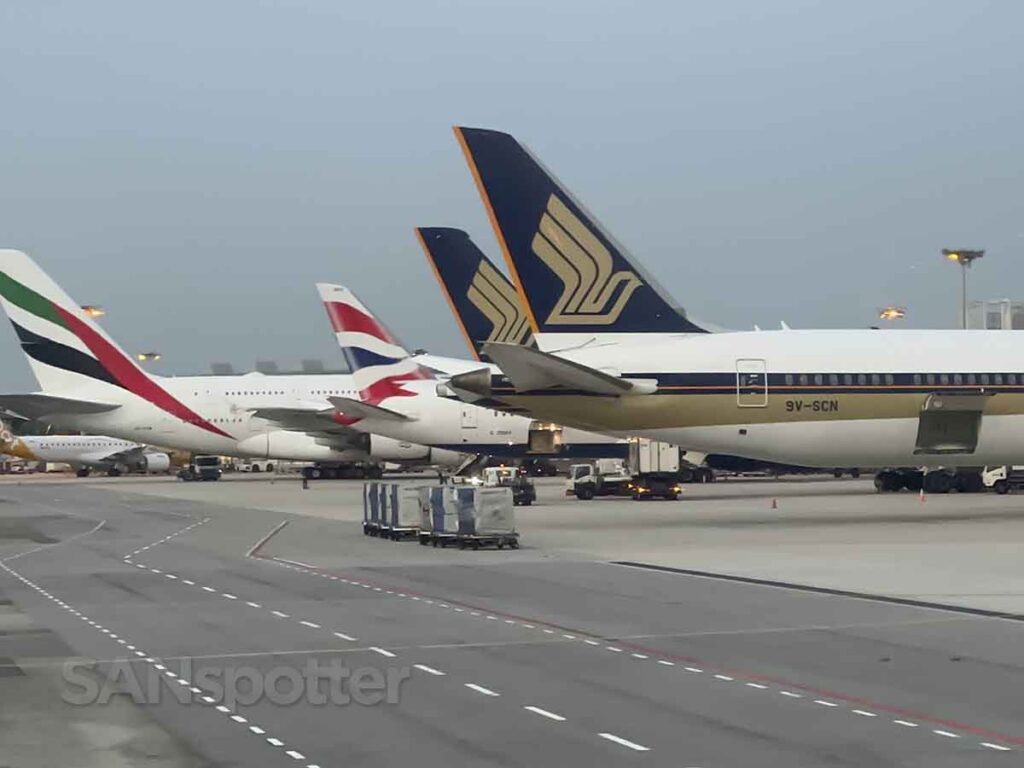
655,469
1003,479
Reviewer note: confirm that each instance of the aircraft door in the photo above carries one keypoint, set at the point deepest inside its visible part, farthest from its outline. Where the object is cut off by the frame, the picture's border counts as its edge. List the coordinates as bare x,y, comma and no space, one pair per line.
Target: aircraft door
751,383
470,415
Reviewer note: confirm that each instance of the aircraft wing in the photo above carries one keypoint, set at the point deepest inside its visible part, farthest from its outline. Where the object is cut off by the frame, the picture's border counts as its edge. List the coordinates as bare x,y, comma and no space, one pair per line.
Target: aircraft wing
37,405
314,421
361,410
530,370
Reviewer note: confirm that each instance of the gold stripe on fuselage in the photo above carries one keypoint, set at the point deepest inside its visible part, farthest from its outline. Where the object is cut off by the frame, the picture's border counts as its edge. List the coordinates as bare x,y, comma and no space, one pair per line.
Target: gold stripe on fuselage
703,410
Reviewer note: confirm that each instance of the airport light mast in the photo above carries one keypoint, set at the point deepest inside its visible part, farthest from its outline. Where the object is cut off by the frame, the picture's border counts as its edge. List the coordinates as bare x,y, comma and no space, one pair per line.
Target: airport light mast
892,313
93,311
965,258
148,357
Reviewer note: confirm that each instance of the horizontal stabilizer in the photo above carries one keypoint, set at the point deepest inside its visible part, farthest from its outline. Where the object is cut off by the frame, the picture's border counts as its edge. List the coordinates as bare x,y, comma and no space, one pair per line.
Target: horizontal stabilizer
36,406
530,369
360,410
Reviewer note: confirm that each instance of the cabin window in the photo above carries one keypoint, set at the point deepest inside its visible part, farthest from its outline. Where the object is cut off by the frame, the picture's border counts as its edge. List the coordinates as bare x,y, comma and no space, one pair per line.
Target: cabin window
944,378
803,379
818,379
862,379
875,379
984,380
998,379
1011,379
917,378
789,379
833,379
890,379
972,379
958,379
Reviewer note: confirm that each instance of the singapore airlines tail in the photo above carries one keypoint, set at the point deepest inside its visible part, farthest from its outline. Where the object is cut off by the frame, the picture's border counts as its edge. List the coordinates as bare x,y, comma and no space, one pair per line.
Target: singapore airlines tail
572,276
380,364
483,300
78,367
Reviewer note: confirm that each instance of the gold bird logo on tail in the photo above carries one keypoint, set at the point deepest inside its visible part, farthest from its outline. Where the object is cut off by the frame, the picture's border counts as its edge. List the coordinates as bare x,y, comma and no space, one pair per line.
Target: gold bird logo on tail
593,293
491,293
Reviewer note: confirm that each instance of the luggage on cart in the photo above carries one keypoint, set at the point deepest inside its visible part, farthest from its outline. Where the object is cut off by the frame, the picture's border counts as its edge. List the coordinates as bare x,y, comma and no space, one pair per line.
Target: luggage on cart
487,517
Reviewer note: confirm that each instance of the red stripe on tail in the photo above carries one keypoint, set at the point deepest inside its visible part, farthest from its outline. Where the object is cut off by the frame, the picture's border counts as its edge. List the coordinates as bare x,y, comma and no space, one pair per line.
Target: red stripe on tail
345,317
130,377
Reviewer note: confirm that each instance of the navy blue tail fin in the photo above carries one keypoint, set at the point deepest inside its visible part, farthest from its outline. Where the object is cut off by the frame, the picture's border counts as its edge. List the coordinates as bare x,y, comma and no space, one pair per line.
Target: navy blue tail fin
573,276
482,298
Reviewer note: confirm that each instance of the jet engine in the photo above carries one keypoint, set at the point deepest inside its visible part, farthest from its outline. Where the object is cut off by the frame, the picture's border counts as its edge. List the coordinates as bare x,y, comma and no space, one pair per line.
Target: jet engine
388,449
154,462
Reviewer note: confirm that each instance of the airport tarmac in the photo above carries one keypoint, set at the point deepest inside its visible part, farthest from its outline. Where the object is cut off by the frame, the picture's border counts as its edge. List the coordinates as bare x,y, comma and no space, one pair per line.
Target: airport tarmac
555,653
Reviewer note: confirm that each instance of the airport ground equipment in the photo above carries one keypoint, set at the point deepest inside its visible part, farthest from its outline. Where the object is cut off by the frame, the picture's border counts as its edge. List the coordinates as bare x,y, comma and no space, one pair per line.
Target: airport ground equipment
1003,479
486,518
653,471
654,468
524,493
201,468
603,477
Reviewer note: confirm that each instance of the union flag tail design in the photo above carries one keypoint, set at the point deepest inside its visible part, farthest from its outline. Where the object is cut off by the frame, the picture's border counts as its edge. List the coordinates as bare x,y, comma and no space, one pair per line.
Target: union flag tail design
379,362
572,276
481,297
69,354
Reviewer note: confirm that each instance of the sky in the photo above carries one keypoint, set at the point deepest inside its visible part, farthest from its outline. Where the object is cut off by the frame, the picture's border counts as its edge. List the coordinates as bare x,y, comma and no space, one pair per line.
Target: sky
196,167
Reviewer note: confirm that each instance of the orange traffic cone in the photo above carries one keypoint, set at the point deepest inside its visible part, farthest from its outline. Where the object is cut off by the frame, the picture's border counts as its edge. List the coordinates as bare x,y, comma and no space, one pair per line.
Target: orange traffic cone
920,495
775,504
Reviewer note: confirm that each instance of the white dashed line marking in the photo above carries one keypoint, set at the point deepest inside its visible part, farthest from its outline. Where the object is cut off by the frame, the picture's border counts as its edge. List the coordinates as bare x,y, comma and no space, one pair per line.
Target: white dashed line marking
666,663
998,747
209,589
481,689
757,685
343,636
275,742
545,713
693,669
947,734
228,595
624,742
295,755
280,615
613,649
792,695
309,624
829,704
254,605
639,656
383,652
429,670
863,713
724,677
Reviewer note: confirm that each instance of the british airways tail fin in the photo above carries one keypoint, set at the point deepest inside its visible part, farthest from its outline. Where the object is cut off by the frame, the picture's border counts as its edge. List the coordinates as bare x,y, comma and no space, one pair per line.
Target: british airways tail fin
571,274
378,361
483,300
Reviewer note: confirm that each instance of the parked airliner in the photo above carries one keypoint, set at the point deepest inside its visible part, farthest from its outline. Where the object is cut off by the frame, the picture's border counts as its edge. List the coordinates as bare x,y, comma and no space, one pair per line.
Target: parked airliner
88,384
626,362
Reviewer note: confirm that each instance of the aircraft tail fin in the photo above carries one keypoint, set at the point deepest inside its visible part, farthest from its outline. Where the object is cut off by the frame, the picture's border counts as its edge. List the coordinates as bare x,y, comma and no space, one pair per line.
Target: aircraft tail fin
378,361
571,274
70,355
483,300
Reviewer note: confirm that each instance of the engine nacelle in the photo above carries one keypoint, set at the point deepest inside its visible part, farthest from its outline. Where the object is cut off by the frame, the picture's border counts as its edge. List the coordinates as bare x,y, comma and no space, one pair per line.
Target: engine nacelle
388,449
155,462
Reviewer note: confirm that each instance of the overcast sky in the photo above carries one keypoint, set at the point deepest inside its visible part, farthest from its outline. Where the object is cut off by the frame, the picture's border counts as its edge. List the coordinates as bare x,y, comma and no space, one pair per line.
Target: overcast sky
195,167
